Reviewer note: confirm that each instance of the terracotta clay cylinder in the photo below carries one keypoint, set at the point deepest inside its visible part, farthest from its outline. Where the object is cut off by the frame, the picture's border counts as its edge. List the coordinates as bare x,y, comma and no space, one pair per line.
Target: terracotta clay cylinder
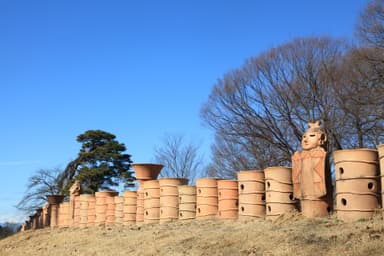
140,204
187,202
76,212
314,208
119,206
91,213
357,185
206,198
355,163
278,187
380,149
151,201
129,208
169,198
63,219
54,201
83,211
104,207
228,199
251,188
45,214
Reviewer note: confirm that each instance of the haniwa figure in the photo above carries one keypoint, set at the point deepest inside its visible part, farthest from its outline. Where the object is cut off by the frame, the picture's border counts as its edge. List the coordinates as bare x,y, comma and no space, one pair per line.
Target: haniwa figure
311,174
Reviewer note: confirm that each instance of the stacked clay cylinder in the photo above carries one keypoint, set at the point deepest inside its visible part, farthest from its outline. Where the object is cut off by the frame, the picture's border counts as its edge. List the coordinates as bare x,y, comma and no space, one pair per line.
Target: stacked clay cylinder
119,207
251,187
46,215
76,212
357,186
151,201
381,167
144,172
206,198
187,202
169,198
54,201
63,219
91,213
105,207
83,212
278,192
129,207
228,199
140,203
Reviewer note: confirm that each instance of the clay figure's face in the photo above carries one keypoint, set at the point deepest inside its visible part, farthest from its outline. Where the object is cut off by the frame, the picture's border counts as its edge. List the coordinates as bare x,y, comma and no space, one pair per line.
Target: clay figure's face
311,140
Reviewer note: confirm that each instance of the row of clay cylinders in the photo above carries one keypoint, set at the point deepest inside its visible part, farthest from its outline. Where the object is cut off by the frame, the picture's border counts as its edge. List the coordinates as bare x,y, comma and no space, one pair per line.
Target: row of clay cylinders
105,207
251,193
87,210
356,183
169,198
278,191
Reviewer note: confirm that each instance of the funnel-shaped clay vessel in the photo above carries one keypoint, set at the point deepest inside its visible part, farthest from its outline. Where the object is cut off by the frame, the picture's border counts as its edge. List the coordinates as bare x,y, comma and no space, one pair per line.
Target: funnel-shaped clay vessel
55,199
144,171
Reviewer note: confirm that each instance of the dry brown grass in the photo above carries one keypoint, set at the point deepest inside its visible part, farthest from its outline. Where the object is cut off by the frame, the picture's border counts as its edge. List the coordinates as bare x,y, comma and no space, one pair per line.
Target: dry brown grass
289,235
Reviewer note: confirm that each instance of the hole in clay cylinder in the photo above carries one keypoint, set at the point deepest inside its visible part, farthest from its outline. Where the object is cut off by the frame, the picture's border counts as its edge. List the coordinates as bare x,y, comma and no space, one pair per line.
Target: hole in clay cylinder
291,196
146,213
341,170
180,198
181,214
161,211
219,193
237,203
198,210
146,193
370,185
268,184
263,198
328,209
269,208
242,208
242,186
199,191
343,201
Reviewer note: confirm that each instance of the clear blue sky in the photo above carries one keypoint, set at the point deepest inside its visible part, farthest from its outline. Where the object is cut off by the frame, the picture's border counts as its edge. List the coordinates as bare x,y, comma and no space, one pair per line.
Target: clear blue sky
137,69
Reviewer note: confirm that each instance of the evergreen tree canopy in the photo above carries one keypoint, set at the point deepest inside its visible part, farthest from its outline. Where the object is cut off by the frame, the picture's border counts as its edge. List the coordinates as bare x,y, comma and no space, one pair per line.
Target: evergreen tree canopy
100,163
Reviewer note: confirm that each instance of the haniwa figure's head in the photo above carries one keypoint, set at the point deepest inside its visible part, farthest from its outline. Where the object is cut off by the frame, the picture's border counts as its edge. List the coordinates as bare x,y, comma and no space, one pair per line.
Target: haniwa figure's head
313,137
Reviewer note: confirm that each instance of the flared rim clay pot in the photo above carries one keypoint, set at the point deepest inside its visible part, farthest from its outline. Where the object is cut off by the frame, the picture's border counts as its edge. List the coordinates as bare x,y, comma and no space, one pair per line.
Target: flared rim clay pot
55,199
146,171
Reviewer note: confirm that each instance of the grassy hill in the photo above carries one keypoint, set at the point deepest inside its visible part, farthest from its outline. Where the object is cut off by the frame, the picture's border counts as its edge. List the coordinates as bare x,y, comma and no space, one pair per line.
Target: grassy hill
289,235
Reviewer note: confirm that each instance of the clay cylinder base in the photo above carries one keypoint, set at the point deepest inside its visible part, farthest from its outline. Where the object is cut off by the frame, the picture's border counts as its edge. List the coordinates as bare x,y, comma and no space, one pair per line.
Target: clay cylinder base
314,208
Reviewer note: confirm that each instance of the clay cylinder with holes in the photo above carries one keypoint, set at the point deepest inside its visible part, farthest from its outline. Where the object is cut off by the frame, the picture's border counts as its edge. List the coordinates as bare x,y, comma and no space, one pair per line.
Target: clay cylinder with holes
119,214
279,191
140,203
187,202
206,198
105,207
251,189
169,198
129,207
63,219
380,150
91,213
83,209
151,201
357,185
228,199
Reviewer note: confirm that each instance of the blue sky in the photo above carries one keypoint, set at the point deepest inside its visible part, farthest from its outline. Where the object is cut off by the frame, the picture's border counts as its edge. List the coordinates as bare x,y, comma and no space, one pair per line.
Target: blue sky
137,69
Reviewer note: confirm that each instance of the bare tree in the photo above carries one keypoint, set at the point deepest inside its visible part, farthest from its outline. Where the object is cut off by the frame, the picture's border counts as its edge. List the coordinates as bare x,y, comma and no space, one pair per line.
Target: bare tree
180,158
44,182
261,109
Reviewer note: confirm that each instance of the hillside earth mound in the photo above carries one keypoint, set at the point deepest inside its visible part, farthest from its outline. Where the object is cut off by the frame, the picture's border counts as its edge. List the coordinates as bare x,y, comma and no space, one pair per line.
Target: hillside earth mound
289,235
